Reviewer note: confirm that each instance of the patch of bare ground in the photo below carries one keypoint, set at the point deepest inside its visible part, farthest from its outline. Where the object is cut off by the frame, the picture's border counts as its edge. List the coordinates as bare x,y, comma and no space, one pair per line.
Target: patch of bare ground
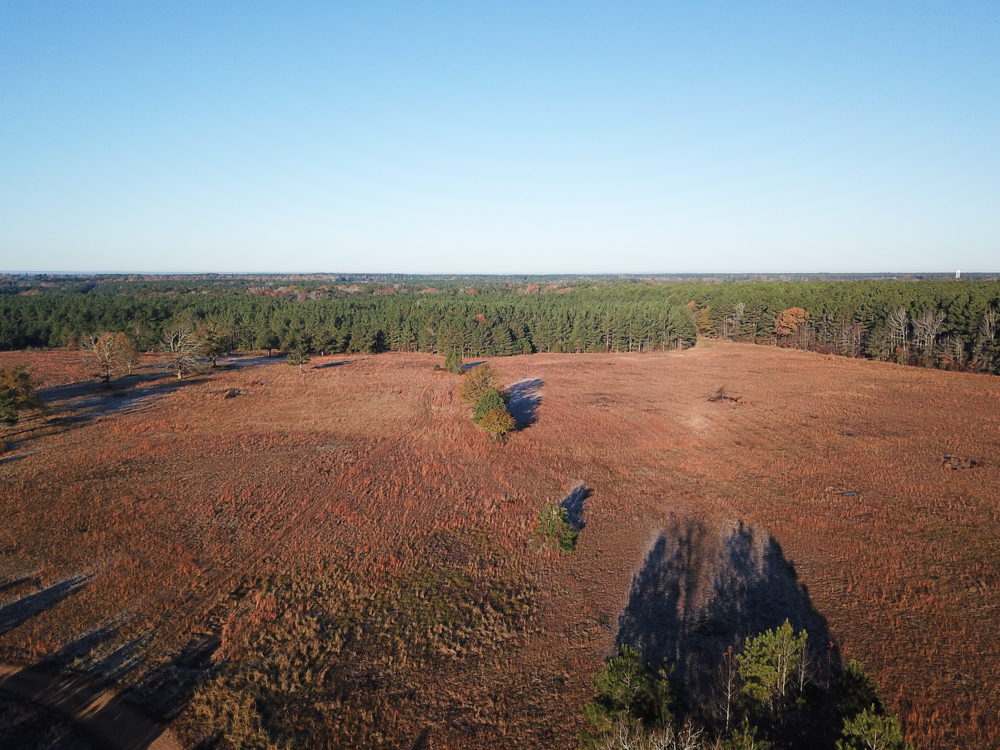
197,514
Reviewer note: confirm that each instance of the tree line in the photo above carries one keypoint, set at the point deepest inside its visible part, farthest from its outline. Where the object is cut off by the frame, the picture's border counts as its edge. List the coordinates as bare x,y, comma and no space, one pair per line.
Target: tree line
496,324
947,324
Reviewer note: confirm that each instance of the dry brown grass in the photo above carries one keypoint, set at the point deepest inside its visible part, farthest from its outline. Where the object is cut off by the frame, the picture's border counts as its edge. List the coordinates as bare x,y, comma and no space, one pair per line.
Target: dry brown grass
173,506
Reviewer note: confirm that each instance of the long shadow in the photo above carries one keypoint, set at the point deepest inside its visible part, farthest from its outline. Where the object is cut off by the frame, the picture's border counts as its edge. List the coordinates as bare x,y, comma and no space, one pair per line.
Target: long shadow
166,690
703,589
525,398
573,503
16,457
119,662
22,610
83,402
100,714
332,364
23,580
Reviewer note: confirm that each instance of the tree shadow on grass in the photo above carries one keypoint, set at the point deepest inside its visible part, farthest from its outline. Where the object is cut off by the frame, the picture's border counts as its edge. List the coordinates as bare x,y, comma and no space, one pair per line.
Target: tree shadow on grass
168,688
100,714
573,504
705,588
332,364
525,398
22,610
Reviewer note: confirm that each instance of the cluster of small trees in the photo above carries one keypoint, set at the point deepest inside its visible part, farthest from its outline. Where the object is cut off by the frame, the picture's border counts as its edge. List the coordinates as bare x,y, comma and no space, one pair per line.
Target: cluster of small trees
181,351
482,390
767,695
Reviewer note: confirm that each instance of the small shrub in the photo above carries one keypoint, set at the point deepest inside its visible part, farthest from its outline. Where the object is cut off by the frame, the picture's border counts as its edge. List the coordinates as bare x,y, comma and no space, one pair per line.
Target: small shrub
872,731
552,525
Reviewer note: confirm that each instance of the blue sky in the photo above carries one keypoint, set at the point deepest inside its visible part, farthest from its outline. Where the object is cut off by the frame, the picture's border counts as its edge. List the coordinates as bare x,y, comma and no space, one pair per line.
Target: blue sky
500,138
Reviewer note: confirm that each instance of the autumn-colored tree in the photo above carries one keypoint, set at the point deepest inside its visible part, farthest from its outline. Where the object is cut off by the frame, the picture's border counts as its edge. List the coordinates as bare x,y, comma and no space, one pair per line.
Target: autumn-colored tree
477,381
17,393
498,422
128,354
788,322
703,319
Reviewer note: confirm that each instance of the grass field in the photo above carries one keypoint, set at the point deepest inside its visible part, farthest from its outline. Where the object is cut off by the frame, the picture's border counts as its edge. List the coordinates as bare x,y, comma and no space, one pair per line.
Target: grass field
347,547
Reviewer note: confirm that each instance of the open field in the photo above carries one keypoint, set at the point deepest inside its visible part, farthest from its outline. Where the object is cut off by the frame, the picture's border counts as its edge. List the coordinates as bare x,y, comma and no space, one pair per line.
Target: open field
351,535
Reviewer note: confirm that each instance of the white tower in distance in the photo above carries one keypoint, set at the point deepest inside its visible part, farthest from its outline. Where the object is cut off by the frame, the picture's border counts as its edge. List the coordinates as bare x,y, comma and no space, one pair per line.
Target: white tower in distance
958,274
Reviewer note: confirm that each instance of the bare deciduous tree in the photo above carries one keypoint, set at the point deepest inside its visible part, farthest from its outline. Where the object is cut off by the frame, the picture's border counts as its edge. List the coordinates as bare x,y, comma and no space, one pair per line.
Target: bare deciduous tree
183,349
849,339
114,352
731,325
988,328
899,325
926,328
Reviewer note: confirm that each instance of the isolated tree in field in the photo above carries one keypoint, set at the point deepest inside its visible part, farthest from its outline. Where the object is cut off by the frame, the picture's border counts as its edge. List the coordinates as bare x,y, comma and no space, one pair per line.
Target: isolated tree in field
298,357
128,354
182,349
453,362
115,353
477,381
788,321
215,341
103,351
17,393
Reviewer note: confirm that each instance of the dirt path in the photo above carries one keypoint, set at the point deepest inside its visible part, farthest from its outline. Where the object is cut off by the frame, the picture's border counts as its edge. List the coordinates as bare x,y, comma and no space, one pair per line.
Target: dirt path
99,712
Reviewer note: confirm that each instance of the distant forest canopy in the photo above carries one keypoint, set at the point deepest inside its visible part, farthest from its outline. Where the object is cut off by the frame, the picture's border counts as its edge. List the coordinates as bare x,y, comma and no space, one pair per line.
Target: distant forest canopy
939,322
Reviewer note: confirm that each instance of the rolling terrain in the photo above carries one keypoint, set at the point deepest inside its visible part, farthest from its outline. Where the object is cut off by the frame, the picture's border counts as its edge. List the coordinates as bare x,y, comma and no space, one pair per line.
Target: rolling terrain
256,555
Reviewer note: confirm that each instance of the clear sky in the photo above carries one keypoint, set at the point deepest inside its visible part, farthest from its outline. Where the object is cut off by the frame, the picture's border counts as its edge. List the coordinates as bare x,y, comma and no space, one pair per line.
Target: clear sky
506,137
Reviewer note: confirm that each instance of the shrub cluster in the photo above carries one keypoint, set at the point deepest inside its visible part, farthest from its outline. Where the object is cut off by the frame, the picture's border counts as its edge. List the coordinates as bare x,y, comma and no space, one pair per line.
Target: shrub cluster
481,388
768,695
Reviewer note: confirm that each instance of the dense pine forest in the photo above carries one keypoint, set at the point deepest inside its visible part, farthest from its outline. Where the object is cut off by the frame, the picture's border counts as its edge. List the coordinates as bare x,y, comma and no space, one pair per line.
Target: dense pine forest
950,324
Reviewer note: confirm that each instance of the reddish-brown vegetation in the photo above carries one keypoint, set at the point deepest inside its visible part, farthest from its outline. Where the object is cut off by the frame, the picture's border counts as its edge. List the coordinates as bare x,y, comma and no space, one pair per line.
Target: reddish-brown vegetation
180,503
